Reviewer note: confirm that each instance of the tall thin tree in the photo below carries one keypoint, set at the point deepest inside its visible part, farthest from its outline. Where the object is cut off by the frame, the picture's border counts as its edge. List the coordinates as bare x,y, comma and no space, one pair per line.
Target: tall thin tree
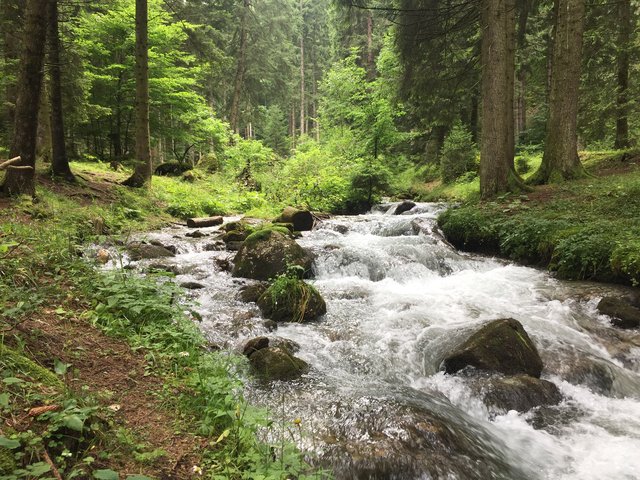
142,172
20,178
625,28
59,160
560,160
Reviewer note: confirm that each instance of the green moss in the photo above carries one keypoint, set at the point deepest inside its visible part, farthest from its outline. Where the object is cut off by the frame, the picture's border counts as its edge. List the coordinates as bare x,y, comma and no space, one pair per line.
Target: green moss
265,232
291,299
21,365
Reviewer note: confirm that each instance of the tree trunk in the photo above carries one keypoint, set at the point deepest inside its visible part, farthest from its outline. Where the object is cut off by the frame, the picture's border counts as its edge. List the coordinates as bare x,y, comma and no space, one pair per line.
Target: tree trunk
521,101
560,159
59,160
10,23
494,145
143,169
510,31
622,101
19,180
371,69
234,115
302,79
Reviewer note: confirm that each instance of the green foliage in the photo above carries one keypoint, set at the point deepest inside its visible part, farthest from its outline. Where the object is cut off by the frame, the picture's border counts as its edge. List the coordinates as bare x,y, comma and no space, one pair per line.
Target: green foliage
289,294
458,154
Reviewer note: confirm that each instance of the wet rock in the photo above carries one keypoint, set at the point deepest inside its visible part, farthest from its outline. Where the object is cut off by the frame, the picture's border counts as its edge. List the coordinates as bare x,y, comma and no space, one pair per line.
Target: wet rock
292,300
233,246
142,251
171,248
379,440
214,247
277,363
223,264
290,345
192,285
251,293
266,254
235,236
622,313
501,346
342,229
254,344
518,392
404,207
270,325
554,419
579,368
161,267
196,234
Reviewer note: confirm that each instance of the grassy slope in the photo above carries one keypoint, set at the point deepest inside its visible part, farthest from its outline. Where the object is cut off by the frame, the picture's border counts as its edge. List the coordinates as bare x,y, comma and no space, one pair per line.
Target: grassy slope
583,229
141,394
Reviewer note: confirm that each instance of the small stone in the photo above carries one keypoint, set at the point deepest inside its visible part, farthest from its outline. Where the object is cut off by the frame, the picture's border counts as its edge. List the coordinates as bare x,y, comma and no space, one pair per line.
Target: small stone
192,285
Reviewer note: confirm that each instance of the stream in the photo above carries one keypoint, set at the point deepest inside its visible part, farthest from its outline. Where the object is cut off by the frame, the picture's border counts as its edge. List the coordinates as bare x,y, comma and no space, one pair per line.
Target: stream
375,405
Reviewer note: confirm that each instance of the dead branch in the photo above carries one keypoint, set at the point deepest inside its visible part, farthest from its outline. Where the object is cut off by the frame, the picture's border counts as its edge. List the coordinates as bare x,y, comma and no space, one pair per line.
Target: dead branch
54,470
8,163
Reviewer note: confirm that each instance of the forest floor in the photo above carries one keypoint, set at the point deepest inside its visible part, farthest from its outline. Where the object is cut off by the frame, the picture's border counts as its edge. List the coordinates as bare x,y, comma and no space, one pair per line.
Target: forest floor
102,376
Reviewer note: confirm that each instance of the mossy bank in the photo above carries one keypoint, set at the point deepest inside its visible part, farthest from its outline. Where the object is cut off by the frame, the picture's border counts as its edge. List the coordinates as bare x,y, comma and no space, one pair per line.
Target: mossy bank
586,229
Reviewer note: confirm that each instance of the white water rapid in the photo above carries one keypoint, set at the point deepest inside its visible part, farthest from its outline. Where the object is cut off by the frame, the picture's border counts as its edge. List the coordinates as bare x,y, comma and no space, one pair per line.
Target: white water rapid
376,406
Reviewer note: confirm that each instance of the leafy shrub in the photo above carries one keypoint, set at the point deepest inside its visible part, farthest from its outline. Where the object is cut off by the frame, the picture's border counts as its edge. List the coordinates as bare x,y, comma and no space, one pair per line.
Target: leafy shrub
458,154
584,254
625,260
522,165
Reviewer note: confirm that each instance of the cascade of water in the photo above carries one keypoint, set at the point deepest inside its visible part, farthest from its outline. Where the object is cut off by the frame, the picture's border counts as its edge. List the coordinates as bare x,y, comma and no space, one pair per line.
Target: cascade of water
399,297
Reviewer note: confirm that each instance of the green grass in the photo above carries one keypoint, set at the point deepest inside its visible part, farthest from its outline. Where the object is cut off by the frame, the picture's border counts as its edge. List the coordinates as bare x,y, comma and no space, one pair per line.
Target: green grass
41,243
586,229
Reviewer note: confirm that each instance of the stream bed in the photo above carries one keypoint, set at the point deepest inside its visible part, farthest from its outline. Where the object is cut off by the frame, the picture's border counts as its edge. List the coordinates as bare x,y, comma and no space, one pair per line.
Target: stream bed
375,404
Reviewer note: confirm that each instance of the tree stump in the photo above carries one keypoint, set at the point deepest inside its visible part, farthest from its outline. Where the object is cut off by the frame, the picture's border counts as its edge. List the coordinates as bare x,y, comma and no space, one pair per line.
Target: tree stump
19,181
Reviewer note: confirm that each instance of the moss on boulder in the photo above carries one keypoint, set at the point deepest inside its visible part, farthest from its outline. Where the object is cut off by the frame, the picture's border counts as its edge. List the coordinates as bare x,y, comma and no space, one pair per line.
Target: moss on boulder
267,253
291,300
277,363
501,346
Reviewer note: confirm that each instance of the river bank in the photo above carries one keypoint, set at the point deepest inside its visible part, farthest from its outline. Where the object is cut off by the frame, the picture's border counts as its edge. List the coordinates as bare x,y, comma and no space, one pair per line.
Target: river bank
587,229
104,374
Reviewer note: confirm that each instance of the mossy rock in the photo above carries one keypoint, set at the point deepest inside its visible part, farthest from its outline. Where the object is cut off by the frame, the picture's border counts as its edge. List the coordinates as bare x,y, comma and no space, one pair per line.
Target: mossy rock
235,236
21,365
291,300
143,251
267,253
277,363
501,346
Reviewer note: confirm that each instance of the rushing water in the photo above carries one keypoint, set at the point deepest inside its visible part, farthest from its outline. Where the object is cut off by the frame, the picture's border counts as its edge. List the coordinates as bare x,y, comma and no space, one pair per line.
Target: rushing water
375,405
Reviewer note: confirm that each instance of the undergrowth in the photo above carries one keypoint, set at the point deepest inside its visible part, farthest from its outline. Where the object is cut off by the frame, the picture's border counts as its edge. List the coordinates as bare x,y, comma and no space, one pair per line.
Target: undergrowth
42,245
586,229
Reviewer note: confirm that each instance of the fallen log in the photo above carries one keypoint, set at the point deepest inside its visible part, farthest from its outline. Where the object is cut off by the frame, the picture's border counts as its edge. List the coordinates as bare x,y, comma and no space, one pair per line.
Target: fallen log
8,163
204,222
302,220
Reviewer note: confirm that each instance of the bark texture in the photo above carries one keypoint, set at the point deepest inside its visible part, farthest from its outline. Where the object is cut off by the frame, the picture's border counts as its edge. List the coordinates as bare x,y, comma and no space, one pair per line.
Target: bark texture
560,160
625,29
59,160
143,168
21,180
241,67
494,145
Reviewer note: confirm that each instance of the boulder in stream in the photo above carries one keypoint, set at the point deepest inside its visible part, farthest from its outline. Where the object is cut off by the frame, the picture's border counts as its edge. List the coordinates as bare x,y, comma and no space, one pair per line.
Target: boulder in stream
291,300
405,206
501,346
277,363
267,253
622,313
518,392
251,293
142,251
